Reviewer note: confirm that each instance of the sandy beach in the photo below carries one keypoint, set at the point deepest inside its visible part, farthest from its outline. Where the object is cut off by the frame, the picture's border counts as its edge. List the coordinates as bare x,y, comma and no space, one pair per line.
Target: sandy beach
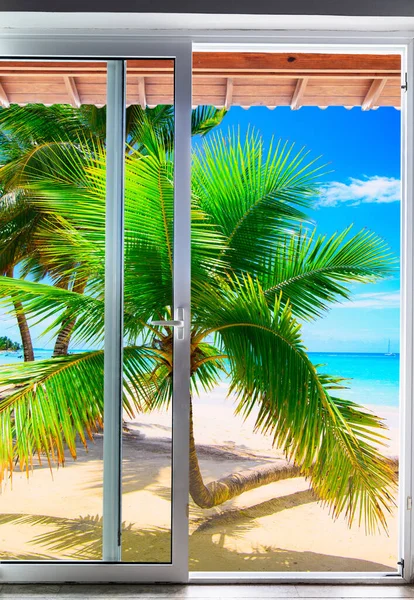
279,527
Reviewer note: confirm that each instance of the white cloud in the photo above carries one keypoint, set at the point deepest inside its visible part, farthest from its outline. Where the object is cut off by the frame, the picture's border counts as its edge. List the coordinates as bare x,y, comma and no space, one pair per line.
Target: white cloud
379,190
376,300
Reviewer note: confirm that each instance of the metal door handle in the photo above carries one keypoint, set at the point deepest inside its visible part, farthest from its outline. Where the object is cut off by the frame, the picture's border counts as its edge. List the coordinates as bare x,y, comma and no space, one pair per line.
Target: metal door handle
178,323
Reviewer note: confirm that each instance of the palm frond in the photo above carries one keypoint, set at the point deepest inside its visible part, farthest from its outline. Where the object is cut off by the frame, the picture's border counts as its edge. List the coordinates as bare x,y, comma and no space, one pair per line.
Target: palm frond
334,441
49,404
205,118
48,302
312,270
36,123
251,193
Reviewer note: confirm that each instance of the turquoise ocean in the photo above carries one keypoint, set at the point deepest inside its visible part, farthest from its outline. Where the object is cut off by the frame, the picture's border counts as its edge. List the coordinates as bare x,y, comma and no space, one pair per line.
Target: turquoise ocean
373,378
7,358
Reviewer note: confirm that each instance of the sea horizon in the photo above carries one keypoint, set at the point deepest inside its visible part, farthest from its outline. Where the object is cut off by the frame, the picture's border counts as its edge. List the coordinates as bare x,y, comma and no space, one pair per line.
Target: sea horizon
74,350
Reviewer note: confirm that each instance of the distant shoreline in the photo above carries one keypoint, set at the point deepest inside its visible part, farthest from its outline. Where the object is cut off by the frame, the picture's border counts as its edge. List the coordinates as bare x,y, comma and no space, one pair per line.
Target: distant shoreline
339,352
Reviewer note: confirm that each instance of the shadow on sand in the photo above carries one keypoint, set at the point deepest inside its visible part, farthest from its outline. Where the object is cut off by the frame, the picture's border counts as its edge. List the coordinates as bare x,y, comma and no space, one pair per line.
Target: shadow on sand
81,539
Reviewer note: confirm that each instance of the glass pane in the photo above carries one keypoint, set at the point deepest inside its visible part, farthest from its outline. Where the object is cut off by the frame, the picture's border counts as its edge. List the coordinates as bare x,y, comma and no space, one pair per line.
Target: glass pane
52,253
149,205
295,307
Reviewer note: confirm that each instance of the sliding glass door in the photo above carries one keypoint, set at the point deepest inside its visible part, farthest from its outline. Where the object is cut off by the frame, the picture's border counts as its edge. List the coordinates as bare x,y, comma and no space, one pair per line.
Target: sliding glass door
95,302
294,456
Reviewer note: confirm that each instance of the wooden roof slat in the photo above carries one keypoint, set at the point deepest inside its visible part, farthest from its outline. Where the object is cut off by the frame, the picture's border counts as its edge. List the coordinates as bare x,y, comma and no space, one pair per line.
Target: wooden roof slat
4,100
298,94
72,91
229,93
373,94
142,92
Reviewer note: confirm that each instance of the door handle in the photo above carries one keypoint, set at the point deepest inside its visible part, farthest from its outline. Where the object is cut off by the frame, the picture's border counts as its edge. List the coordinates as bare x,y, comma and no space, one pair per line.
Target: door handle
178,323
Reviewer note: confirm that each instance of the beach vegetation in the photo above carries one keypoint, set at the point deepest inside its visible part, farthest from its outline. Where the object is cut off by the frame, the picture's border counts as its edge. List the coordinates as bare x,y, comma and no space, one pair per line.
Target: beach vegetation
6,344
260,269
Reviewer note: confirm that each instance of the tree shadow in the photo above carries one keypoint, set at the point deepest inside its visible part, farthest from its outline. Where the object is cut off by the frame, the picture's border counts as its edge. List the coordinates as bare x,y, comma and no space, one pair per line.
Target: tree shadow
243,518
138,450
209,555
137,476
81,539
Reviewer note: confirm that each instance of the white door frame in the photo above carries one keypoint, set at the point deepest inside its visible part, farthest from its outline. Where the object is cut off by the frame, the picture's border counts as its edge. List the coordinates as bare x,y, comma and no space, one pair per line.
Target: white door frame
128,43
356,43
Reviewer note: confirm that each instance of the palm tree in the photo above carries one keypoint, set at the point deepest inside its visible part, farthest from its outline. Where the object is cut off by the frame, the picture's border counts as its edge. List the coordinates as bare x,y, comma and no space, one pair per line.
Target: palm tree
16,224
27,137
259,269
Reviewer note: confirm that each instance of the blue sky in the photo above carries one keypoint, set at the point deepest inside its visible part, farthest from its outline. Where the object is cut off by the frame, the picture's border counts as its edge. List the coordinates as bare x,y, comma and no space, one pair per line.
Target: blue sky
363,149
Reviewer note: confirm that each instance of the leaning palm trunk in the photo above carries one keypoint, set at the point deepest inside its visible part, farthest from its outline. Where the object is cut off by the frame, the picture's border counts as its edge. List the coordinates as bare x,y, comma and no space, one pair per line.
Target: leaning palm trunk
63,338
26,338
217,492
28,353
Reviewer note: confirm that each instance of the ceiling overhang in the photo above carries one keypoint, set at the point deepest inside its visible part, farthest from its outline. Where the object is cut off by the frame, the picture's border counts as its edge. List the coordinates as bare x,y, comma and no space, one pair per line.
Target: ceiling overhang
222,79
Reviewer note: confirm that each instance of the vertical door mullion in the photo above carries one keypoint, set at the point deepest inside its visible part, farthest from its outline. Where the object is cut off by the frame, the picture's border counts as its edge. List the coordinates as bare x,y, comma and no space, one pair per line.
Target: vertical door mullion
182,298
114,268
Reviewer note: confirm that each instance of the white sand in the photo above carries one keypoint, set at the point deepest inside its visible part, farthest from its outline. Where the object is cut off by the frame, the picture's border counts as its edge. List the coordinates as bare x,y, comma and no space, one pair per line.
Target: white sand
277,527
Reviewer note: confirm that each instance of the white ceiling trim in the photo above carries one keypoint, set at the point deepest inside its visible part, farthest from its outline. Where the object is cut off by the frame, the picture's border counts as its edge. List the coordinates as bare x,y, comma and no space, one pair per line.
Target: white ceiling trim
33,21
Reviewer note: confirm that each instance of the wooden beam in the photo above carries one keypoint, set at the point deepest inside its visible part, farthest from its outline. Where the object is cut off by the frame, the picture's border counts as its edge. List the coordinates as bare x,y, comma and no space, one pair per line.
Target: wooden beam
4,101
283,61
229,93
373,93
268,76
141,92
72,91
213,61
298,94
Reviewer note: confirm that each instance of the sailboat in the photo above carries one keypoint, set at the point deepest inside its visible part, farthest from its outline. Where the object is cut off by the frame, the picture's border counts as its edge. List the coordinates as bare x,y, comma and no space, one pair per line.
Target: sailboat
389,353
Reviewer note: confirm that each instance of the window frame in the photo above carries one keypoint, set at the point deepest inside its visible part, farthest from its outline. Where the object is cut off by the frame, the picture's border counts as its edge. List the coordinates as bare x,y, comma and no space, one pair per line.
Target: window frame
119,44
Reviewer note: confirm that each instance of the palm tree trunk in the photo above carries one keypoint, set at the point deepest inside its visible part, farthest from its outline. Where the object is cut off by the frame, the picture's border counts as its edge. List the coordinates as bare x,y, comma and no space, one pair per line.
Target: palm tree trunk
26,338
63,338
217,492
28,353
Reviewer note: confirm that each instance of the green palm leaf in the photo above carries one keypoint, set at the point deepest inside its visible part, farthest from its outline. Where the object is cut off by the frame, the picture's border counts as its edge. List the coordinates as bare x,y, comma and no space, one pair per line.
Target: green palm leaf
48,404
334,441
265,198
311,270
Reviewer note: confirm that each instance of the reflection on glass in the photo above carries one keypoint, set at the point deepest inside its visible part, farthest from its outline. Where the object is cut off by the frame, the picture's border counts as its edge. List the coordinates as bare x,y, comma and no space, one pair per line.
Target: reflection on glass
52,250
288,469
149,206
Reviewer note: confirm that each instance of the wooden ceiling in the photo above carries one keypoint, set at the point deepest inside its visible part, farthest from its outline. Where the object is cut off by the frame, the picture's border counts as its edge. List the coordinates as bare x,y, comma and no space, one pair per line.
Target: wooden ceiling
220,79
